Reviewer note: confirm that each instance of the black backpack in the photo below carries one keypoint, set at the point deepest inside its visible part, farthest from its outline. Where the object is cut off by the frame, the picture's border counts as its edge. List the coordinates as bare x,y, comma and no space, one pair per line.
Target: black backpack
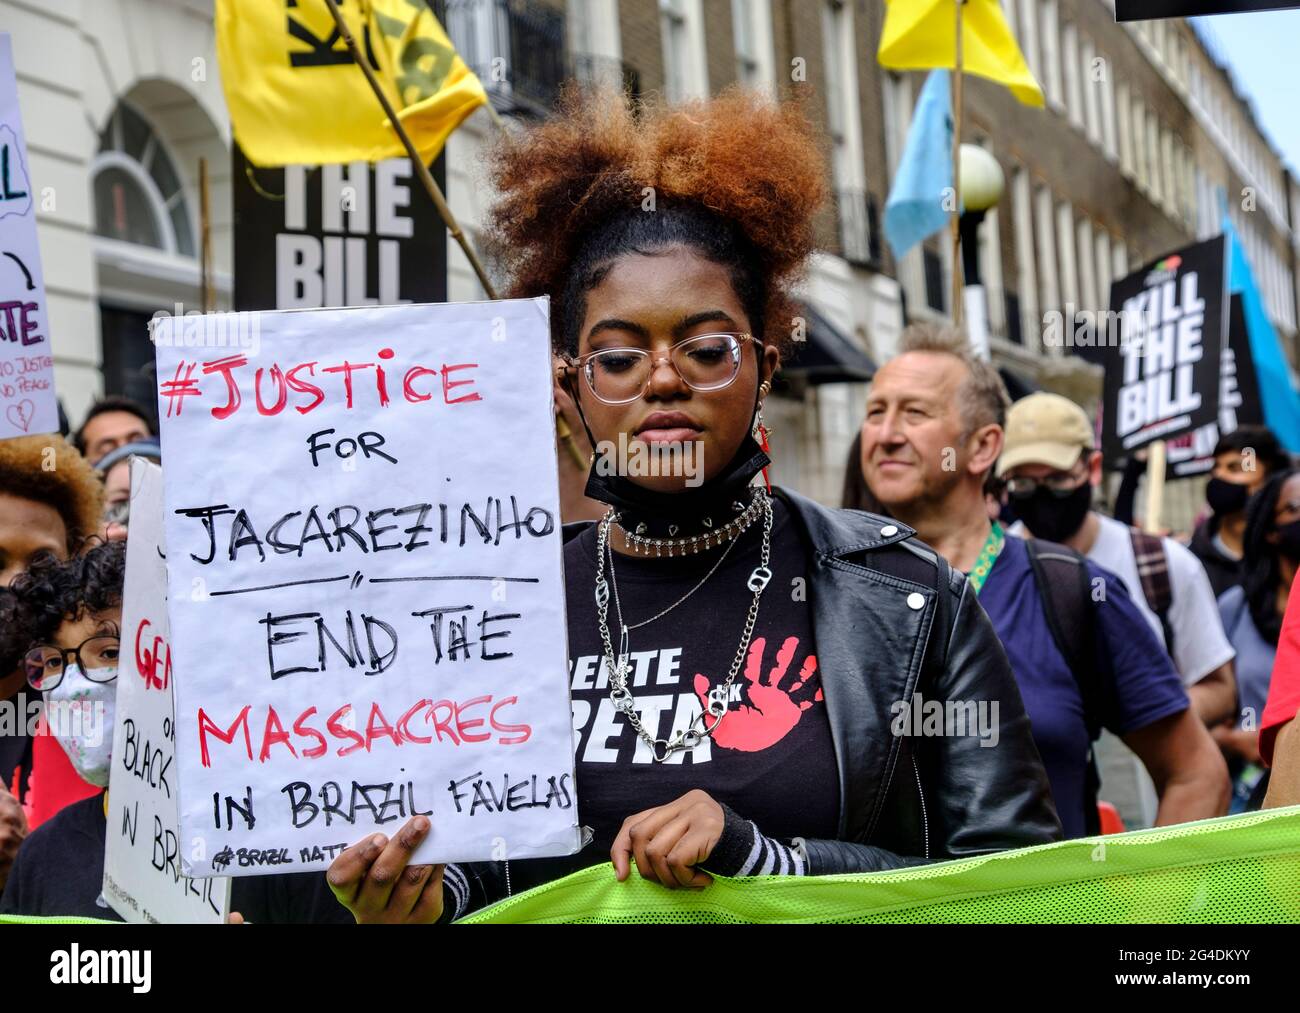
1066,594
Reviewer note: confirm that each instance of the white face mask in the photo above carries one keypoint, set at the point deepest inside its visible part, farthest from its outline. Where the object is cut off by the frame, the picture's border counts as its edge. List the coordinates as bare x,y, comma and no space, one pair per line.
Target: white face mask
80,715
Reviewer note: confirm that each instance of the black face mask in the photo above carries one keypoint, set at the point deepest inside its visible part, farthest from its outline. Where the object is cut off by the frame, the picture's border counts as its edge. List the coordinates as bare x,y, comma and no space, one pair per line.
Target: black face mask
1226,497
1054,518
1288,540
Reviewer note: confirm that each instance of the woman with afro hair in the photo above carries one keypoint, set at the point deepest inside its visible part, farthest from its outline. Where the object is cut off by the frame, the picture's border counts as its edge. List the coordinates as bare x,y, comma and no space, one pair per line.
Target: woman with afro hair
747,667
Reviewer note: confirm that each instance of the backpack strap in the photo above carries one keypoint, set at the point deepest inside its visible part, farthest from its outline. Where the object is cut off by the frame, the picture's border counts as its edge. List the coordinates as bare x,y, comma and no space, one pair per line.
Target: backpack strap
1061,576
1153,572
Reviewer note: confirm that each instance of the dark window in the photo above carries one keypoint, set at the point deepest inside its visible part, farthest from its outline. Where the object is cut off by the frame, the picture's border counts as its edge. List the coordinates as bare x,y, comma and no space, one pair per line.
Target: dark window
1014,333
934,281
128,353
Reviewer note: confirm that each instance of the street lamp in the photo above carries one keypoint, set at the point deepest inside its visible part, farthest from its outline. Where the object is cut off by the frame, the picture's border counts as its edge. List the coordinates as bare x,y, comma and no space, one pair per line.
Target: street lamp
982,186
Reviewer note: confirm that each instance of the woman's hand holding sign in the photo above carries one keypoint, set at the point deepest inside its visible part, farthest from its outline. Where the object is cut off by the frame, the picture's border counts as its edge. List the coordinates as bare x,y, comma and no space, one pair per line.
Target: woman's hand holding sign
373,880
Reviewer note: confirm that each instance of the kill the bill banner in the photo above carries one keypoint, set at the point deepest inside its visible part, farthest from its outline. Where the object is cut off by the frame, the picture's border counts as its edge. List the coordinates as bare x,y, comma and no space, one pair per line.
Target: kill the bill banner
1162,370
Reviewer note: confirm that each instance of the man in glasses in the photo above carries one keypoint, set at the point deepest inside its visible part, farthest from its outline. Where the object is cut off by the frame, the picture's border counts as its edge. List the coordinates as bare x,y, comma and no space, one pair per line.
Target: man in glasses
1050,466
1083,657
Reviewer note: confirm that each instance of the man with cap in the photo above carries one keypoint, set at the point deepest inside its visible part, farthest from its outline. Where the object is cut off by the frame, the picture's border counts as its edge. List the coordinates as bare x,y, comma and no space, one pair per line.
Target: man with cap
1083,656
1050,466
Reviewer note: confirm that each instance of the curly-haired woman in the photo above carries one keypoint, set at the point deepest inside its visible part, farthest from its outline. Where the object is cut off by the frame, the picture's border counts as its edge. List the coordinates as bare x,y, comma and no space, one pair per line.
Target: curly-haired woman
742,661
73,612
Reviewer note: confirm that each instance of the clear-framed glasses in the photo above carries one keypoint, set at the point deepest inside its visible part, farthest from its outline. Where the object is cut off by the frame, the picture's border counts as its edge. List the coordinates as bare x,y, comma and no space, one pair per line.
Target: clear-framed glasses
97,657
1059,485
705,362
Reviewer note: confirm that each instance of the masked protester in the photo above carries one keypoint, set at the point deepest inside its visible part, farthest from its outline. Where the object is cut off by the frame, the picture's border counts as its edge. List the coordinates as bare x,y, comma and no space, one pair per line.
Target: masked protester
1244,460
1051,468
1279,731
719,711
1252,616
1083,660
75,608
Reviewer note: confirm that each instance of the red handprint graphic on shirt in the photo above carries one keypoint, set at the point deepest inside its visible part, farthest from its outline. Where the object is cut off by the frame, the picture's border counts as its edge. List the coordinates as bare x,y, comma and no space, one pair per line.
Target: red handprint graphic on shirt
771,710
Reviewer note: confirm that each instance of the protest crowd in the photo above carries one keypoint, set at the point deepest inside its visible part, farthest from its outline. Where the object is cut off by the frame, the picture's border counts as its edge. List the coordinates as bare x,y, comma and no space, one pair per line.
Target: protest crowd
981,649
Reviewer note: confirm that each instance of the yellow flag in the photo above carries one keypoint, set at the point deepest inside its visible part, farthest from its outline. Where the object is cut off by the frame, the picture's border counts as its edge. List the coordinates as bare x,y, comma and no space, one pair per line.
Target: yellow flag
296,97
922,34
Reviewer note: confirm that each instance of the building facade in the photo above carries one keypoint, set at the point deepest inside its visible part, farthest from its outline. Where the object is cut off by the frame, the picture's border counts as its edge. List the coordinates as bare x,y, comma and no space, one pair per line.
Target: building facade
1144,138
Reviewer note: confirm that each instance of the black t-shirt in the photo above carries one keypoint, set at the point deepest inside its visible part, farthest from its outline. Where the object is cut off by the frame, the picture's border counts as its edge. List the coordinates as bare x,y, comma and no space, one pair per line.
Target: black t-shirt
772,758
59,871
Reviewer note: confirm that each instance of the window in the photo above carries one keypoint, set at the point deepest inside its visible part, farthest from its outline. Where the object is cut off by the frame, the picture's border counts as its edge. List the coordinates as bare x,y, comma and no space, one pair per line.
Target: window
1091,88
1154,174
1107,86
1065,242
1118,259
1088,299
752,24
1102,243
685,73
1140,144
1026,282
1051,62
1048,292
1125,110
934,286
1029,36
139,197
1073,75
843,119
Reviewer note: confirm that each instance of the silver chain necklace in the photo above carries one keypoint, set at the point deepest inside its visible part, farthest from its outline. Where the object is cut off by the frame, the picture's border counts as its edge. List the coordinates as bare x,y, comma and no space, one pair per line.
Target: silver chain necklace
618,606
719,696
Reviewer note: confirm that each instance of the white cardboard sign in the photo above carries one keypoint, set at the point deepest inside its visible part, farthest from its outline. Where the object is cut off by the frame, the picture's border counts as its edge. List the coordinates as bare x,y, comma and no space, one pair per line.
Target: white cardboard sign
27,401
366,597
142,874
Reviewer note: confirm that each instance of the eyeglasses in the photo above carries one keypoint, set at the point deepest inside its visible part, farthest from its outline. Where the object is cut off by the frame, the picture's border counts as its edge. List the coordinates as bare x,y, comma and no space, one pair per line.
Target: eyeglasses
1058,485
705,362
97,657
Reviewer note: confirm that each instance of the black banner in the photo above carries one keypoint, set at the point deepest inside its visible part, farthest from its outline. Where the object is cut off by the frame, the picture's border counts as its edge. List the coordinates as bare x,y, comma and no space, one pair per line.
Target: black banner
1162,374
336,235
1239,402
1149,10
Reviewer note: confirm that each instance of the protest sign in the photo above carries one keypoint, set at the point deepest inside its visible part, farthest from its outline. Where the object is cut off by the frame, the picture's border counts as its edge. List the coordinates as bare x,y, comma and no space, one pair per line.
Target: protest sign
1162,376
364,562
307,237
1150,10
1239,402
142,874
27,401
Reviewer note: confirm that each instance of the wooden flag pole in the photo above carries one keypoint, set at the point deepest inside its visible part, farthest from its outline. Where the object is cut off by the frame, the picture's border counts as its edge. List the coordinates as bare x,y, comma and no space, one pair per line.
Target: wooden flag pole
1155,487
421,170
207,287
956,173
435,194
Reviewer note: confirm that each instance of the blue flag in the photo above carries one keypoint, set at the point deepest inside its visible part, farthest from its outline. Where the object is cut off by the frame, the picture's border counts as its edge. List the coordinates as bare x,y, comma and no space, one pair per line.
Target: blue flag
923,184
1281,403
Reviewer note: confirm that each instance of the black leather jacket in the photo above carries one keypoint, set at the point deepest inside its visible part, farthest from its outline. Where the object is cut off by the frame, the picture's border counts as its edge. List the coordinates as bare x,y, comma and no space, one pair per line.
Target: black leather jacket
890,620
907,799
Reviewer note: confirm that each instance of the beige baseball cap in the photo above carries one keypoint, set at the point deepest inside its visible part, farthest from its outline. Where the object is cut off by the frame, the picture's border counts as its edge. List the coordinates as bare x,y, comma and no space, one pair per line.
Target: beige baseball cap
1046,429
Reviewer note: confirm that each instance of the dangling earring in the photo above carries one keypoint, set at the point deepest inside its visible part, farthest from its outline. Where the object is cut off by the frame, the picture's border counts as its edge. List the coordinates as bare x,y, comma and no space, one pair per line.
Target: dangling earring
761,432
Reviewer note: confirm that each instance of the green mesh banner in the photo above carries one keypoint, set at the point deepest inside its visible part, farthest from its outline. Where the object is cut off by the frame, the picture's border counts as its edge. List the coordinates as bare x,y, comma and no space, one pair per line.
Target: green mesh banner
1234,869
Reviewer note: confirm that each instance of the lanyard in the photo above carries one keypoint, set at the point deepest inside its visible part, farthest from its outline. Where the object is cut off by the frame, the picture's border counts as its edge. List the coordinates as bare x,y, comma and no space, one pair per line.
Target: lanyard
988,556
